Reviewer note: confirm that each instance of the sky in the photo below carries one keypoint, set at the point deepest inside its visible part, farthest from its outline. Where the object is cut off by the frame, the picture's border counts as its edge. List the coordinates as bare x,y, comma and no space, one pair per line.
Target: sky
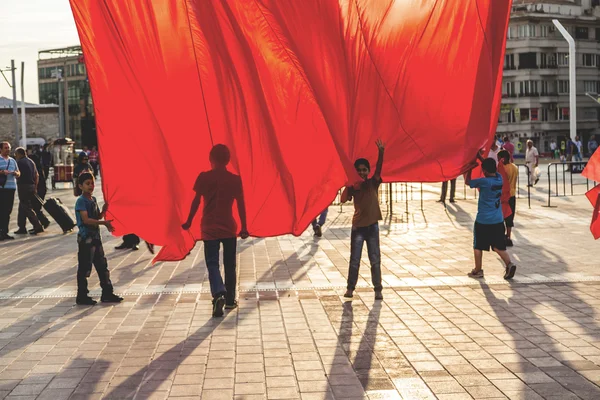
27,26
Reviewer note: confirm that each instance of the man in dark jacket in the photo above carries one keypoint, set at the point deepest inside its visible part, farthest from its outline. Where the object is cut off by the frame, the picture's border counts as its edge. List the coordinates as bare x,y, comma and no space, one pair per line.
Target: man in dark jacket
41,189
27,188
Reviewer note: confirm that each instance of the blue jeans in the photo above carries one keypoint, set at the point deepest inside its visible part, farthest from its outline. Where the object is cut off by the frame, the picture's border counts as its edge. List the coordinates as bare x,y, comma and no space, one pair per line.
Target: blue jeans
577,157
321,219
369,234
211,255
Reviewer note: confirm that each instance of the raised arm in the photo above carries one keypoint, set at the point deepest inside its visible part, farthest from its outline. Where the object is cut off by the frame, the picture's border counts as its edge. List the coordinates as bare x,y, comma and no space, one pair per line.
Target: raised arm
381,147
346,194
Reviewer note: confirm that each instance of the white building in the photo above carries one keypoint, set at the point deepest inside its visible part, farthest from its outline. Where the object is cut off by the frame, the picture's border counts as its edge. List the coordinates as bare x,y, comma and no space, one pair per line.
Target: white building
535,87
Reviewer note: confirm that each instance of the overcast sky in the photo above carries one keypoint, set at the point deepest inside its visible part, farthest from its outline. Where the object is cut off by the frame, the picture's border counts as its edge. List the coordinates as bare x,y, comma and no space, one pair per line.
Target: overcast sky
27,26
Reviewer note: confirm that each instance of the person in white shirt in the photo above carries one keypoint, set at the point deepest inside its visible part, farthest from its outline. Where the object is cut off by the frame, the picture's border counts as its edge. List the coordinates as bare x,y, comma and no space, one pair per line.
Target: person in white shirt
579,155
494,152
532,159
553,149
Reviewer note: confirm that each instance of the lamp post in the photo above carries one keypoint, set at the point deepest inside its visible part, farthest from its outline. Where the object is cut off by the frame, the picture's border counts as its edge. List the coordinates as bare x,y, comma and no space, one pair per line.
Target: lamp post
572,78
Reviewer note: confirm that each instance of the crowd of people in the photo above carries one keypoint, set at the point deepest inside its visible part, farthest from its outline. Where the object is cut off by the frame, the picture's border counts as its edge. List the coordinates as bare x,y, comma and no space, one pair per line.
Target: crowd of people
218,189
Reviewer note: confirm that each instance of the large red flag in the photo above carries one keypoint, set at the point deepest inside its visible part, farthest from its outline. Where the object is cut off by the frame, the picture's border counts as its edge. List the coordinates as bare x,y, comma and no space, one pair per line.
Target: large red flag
296,89
592,172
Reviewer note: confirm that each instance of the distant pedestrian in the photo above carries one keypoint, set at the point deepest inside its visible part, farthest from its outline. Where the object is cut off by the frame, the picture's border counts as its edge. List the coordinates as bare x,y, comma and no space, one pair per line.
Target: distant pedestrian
27,189
494,151
579,149
512,172
508,146
445,191
592,145
46,157
219,188
532,159
130,241
41,190
82,166
571,150
488,231
553,149
9,171
318,223
93,159
365,222
89,219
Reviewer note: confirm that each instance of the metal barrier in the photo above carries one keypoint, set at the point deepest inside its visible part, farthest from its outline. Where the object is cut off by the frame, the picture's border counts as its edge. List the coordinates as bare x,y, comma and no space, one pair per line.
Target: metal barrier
580,165
527,173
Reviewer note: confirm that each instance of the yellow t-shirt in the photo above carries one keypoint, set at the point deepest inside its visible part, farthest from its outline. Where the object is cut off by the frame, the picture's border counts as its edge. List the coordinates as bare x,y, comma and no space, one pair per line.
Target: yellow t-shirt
513,172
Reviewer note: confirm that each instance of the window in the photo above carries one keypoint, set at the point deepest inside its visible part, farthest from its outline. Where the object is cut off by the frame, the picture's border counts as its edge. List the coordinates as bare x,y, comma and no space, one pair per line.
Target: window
563,87
524,112
562,113
528,88
526,31
589,114
527,60
508,89
589,60
507,117
544,114
547,60
582,33
544,30
562,59
598,34
533,114
591,86
509,61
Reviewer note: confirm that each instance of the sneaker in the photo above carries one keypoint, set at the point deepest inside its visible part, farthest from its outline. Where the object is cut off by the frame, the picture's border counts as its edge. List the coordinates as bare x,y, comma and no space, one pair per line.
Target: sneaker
111,298
21,232
349,294
135,247
378,295
318,231
231,306
218,304
509,242
475,274
85,301
510,271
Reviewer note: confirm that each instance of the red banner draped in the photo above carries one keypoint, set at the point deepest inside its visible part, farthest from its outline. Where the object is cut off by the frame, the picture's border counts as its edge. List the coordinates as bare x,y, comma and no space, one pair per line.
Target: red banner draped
296,89
592,172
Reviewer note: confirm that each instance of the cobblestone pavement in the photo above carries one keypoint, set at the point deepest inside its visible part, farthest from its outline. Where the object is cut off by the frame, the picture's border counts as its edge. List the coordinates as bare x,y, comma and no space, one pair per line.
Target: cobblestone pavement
437,333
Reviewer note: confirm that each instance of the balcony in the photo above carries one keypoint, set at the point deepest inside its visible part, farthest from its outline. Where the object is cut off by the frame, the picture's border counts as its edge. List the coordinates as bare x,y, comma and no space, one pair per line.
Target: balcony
548,97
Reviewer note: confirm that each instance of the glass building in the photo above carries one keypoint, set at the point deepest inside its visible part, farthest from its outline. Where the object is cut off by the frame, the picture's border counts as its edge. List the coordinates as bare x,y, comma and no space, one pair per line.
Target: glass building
64,70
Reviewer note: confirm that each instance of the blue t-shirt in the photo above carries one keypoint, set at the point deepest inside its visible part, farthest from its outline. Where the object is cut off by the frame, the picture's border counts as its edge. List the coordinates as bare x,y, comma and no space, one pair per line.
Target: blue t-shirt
489,210
91,206
11,165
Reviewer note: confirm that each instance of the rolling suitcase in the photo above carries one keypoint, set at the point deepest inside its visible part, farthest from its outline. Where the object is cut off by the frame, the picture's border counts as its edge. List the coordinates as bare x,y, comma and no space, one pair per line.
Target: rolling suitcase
60,213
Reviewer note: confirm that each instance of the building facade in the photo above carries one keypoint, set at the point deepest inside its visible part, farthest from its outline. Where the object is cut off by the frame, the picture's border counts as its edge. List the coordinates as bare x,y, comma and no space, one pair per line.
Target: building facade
42,121
64,70
535,87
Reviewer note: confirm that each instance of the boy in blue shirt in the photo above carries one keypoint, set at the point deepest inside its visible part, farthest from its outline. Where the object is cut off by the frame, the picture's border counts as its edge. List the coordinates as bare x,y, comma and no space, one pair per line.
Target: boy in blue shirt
489,223
89,240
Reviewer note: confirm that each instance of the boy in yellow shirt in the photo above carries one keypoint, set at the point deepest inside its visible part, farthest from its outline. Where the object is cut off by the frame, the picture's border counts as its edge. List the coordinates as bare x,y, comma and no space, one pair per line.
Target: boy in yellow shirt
513,172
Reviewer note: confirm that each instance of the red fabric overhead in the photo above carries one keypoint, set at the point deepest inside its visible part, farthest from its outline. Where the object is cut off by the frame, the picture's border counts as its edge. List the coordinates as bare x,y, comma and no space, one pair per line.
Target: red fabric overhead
296,89
592,172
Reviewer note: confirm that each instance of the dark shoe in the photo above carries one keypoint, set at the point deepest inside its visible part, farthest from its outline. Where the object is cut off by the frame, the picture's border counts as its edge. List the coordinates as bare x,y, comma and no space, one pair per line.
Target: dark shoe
111,298
378,295
150,247
135,247
441,201
510,271
46,224
231,306
8,237
349,294
218,305
509,242
122,246
21,232
36,231
85,301
452,201
536,181
318,231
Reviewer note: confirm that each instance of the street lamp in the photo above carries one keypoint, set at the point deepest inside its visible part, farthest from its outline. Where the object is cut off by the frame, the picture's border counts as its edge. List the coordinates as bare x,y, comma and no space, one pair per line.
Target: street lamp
594,97
572,78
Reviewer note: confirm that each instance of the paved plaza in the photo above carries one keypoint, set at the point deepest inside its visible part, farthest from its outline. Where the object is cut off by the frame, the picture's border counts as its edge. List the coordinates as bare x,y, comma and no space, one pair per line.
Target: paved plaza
436,334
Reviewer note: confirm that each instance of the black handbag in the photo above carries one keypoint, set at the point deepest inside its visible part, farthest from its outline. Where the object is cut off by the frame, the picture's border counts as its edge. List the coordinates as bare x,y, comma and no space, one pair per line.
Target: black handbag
4,178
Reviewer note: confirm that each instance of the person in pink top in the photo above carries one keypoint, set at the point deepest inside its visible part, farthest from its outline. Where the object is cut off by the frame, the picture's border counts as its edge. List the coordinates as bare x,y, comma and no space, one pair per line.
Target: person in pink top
508,146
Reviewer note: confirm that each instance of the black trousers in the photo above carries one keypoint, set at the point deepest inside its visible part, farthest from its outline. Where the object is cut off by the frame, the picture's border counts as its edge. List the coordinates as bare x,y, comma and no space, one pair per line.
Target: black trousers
91,253
445,189
26,212
7,201
211,255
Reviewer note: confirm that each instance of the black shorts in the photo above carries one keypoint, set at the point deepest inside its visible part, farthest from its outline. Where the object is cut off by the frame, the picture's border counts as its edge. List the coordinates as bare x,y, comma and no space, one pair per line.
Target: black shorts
486,236
512,202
